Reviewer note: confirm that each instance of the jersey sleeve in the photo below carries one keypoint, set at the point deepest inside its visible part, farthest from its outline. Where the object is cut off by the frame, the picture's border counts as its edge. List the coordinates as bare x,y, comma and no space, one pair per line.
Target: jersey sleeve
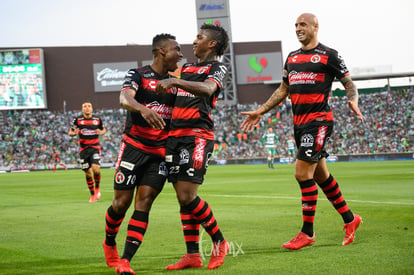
132,80
74,124
337,64
218,73
285,76
101,126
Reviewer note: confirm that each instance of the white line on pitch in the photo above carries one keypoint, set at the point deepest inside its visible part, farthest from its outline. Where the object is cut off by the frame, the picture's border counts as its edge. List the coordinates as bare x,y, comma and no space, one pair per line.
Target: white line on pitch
295,198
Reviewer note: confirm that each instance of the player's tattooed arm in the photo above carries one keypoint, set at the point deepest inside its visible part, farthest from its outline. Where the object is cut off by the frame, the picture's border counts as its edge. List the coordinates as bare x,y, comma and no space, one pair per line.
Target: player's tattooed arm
350,88
253,117
278,96
352,94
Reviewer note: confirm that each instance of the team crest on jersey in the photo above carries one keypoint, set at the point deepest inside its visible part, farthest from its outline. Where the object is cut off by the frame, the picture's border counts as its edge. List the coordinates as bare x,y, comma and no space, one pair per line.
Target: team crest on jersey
119,177
306,140
315,58
184,156
202,70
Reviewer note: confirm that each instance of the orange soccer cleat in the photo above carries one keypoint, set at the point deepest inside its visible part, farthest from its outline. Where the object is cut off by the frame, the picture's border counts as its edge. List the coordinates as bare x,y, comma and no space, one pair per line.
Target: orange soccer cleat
111,255
220,251
350,229
188,260
124,268
301,240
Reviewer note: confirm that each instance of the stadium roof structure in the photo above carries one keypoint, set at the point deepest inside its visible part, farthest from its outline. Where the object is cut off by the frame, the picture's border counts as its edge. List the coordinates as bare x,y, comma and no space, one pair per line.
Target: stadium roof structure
382,76
363,77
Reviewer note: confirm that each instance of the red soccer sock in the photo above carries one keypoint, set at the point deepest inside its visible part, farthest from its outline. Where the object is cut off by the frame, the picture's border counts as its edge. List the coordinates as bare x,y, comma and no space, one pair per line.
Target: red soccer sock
191,231
204,215
309,191
331,189
137,227
89,182
112,223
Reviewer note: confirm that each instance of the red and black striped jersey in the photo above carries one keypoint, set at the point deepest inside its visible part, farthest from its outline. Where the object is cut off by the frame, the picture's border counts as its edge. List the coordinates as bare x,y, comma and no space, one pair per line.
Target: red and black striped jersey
191,114
87,131
309,75
137,132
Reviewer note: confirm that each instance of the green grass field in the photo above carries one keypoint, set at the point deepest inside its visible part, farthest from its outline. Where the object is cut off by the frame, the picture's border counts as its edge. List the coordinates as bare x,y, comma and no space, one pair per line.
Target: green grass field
48,227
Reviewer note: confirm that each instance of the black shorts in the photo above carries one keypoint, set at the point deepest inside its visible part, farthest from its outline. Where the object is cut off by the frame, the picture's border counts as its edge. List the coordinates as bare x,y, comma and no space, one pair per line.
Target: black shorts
135,167
187,158
90,156
311,140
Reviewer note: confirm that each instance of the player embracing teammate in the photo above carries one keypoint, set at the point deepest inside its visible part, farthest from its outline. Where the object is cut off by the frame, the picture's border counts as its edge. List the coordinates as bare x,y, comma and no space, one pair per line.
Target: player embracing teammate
191,141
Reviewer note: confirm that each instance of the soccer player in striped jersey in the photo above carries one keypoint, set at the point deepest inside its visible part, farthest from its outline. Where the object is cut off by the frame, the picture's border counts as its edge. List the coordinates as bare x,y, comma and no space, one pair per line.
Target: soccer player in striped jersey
89,127
141,160
191,141
307,79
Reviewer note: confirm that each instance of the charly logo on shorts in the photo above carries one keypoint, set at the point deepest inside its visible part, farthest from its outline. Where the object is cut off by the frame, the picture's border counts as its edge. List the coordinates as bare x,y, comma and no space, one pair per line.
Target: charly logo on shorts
184,156
306,140
119,177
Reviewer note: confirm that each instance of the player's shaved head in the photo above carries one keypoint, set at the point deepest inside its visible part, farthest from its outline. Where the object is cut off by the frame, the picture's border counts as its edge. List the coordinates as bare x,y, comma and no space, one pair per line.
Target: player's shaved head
309,17
307,27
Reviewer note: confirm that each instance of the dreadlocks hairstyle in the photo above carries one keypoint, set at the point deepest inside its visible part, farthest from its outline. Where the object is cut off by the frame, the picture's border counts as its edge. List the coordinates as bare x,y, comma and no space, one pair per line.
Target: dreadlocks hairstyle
159,39
219,35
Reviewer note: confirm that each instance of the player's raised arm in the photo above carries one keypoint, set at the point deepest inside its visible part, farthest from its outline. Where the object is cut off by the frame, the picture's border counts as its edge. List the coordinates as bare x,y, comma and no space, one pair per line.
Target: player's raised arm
205,88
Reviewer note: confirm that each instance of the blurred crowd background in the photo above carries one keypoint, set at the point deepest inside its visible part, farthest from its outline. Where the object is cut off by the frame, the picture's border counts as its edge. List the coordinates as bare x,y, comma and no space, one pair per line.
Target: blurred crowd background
29,138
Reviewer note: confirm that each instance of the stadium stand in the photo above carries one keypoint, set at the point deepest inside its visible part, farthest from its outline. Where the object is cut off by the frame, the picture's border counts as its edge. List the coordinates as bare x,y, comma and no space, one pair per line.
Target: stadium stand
28,136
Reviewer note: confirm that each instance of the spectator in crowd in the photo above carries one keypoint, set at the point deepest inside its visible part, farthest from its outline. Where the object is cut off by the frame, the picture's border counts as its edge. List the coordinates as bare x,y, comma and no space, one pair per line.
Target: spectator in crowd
28,137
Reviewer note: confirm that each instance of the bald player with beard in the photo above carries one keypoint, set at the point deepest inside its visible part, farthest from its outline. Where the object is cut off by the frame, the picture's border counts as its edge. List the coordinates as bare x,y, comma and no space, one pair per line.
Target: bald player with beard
307,79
